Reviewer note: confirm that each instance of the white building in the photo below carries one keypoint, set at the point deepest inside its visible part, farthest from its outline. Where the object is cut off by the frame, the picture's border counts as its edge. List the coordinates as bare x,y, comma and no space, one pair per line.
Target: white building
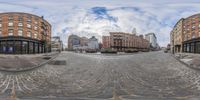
134,31
93,43
151,37
56,44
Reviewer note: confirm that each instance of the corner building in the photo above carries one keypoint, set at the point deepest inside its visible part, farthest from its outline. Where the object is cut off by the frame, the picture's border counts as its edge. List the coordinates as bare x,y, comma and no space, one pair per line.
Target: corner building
191,34
185,36
23,33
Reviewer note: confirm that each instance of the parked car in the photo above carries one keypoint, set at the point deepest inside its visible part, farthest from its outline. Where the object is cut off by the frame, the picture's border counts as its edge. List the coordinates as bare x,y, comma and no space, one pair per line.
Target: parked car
165,51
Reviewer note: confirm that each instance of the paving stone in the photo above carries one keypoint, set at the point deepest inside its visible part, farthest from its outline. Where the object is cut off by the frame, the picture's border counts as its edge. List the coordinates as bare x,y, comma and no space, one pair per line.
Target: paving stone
143,76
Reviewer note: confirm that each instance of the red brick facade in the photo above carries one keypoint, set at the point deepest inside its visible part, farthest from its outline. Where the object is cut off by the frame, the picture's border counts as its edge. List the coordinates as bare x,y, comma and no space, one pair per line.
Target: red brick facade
125,42
24,33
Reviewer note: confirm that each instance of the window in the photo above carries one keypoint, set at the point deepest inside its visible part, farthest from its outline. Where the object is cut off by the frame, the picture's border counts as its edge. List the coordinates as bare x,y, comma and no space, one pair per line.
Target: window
0,33
10,24
35,28
20,32
29,34
10,18
186,37
10,32
0,25
199,25
36,22
35,35
193,35
20,19
29,25
28,18
20,24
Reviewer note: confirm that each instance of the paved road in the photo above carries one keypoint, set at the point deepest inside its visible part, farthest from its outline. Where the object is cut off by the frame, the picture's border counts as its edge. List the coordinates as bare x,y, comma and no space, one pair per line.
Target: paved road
144,76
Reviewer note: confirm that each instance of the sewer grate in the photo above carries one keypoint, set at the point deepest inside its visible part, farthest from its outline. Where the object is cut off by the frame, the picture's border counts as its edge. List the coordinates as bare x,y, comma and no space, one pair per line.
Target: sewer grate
58,62
46,58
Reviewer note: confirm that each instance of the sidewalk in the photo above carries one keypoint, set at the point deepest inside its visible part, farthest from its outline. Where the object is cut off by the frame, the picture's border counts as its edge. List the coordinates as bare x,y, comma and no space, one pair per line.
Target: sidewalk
23,62
190,59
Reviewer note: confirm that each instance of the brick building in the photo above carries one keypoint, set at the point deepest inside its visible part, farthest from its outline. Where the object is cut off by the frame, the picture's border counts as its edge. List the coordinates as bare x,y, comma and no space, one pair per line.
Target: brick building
23,33
106,42
125,42
185,36
176,37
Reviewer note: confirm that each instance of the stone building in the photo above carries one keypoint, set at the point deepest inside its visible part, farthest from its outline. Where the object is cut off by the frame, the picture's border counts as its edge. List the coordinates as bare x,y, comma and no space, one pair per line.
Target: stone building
176,38
151,37
93,43
56,44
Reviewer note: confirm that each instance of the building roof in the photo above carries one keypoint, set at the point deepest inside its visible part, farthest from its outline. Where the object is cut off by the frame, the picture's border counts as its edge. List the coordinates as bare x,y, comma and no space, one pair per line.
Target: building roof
27,14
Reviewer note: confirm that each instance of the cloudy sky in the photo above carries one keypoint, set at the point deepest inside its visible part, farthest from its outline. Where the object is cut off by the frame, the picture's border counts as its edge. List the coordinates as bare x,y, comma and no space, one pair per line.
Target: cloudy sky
98,17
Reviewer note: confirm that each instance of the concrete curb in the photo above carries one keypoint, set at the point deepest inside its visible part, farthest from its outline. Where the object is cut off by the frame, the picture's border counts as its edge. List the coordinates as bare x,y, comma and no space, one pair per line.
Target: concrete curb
33,67
189,66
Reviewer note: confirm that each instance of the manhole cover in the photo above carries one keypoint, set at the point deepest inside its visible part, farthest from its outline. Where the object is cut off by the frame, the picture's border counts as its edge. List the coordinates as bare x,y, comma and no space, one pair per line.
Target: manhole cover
58,62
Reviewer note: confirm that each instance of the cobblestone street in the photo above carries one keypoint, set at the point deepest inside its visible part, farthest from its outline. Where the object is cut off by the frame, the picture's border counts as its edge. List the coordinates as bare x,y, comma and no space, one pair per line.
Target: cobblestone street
74,76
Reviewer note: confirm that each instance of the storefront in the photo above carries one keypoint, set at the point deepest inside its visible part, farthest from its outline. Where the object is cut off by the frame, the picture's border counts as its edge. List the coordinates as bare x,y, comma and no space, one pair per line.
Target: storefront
177,48
21,45
192,46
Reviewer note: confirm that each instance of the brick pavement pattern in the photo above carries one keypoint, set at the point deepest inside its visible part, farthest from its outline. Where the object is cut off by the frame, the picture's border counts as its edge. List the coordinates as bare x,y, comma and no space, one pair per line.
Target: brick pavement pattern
143,76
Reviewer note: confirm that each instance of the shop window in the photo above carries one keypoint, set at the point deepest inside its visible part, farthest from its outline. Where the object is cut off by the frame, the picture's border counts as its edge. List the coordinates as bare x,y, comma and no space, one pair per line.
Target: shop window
24,47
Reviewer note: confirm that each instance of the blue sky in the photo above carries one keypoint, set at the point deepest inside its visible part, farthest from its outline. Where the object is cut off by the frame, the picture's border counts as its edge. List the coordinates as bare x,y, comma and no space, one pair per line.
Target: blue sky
98,17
